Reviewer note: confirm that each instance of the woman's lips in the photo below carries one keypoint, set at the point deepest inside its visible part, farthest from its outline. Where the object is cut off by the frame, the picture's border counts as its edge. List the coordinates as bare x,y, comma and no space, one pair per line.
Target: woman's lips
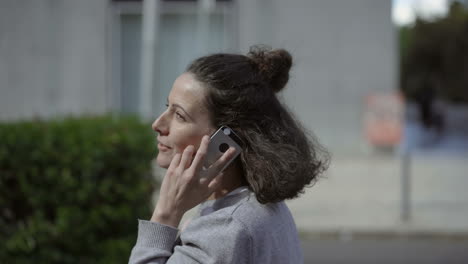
163,147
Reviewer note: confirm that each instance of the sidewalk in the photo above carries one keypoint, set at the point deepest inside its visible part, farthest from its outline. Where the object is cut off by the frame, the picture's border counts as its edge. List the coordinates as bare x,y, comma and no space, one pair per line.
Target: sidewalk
361,196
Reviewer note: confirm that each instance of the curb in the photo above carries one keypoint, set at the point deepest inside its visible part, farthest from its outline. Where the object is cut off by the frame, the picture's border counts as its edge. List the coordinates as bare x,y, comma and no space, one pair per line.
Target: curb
349,235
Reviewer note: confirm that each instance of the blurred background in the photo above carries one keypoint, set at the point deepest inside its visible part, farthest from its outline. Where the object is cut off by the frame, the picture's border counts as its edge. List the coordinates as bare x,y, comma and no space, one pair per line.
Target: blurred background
382,84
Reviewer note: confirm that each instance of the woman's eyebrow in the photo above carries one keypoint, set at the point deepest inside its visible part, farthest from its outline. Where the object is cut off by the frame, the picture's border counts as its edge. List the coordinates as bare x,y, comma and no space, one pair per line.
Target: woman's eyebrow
181,108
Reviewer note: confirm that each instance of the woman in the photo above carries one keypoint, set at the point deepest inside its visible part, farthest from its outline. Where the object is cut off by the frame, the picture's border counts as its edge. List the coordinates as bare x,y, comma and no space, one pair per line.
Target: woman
242,215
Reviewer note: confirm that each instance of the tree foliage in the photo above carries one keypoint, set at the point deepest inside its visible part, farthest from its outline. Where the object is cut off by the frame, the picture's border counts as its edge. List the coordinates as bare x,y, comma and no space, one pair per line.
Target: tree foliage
434,57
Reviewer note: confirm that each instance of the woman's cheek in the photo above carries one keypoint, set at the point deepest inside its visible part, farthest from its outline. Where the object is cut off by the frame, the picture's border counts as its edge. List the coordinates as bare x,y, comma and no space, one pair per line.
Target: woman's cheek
187,138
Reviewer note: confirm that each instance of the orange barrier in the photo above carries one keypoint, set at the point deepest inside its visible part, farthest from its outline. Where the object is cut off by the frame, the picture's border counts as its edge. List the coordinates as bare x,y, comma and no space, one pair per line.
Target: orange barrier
383,119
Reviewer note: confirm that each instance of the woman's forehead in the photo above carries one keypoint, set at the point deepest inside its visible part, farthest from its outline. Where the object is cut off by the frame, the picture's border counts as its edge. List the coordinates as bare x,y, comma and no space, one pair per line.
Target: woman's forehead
188,93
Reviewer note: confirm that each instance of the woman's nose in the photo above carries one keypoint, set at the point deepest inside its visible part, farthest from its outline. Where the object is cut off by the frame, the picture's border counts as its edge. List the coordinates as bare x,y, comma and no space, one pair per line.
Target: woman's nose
159,125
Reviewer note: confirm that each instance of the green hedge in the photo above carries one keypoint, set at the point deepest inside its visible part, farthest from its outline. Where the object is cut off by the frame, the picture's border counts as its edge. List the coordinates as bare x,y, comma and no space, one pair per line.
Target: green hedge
71,190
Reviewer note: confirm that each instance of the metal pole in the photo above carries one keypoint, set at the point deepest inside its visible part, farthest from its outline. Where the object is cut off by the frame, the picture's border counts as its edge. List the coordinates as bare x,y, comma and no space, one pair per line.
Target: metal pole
148,48
406,187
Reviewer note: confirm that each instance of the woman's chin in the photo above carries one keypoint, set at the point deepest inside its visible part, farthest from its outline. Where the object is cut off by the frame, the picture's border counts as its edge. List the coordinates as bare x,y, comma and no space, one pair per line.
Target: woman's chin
163,161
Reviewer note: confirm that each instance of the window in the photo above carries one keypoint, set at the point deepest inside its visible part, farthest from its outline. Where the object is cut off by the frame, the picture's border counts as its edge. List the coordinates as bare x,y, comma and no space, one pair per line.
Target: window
183,34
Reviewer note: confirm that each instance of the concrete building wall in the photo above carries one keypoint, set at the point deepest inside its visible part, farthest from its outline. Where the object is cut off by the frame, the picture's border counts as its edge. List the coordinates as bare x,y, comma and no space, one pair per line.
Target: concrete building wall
342,50
52,57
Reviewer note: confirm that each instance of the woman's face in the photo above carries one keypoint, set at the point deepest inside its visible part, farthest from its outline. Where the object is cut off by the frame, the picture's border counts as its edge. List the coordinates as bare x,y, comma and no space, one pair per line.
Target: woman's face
185,121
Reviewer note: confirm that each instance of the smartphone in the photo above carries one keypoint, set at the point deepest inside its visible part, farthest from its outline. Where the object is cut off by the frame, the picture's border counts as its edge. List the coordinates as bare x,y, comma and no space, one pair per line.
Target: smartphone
220,142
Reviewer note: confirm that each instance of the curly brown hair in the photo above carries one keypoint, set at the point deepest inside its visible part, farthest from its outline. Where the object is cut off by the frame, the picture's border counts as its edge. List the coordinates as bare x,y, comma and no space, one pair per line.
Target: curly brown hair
279,158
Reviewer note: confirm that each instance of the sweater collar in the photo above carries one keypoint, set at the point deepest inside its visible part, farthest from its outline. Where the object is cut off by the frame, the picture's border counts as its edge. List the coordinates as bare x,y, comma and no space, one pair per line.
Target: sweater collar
229,199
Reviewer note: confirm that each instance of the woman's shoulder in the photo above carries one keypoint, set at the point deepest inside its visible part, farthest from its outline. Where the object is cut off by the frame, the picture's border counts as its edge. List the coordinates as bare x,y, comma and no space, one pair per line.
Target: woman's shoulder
255,214
264,232
243,209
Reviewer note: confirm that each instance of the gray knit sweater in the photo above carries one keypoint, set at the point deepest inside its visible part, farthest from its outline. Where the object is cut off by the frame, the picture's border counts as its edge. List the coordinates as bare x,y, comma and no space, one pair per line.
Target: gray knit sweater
233,229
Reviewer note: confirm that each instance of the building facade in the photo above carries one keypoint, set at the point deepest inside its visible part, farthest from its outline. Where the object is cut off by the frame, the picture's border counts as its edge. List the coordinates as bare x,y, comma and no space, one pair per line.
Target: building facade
74,57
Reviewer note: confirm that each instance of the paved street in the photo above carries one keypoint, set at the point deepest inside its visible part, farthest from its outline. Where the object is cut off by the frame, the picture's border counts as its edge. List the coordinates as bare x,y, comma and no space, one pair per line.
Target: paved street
363,194
353,215
385,252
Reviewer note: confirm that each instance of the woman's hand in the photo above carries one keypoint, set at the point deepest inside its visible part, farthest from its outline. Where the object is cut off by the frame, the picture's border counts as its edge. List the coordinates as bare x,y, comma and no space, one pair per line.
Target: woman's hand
183,187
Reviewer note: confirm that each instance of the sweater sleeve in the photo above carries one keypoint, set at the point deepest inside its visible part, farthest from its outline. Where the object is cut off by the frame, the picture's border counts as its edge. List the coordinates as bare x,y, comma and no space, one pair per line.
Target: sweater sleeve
205,240
154,244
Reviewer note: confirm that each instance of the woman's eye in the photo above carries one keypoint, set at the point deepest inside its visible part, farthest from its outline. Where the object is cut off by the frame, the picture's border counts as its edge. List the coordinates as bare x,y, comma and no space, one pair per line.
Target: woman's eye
179,116
167,105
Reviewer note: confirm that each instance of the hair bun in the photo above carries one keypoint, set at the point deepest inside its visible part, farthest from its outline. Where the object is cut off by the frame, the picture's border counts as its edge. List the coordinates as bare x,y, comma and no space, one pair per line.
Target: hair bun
273,65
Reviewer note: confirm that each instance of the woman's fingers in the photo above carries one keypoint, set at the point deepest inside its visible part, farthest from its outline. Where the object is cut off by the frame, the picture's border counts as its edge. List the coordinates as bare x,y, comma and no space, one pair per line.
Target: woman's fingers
186,157
214,184
174,162
197,163
219,165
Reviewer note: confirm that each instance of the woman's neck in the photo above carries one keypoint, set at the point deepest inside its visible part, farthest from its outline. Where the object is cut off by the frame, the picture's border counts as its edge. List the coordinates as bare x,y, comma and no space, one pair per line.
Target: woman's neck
232,179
